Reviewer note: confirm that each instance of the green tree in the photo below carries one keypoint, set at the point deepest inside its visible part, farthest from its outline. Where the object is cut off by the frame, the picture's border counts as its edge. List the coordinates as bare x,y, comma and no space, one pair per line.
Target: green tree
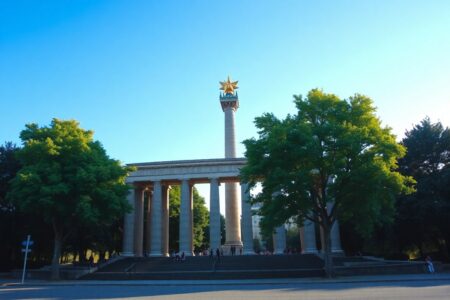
9,216
174,217
423,217
68,178
201,219
331,160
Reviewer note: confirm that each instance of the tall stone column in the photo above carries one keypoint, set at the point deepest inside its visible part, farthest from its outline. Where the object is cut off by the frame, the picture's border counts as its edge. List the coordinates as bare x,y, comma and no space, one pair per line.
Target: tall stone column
191,219
230,103
165,220
214,214
308,237
279,240
139,224
148,224
185,219
155,246
230,136
232,222
246,226
128,226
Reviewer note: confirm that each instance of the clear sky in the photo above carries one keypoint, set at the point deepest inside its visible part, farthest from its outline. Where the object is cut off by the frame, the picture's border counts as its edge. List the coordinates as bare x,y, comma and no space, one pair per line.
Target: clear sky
144,74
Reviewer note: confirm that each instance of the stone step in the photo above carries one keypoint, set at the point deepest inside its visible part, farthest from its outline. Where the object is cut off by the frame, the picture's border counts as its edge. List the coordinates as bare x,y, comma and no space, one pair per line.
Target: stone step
204,267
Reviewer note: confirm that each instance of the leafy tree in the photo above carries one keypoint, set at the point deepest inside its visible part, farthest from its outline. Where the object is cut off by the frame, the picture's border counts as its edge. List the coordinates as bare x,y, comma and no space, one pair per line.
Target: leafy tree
68,178
200,222
292,238
9,216
9,165
174,217
330,160
423,217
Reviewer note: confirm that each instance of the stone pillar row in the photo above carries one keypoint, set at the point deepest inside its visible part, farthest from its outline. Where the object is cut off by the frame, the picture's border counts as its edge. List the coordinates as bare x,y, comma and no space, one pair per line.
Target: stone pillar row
156,231
308,238
157,226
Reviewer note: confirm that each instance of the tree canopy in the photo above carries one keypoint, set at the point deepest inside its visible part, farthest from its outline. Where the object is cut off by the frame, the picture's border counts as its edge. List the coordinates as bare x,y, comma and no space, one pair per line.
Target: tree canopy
200,221
331,160
423,217
68,178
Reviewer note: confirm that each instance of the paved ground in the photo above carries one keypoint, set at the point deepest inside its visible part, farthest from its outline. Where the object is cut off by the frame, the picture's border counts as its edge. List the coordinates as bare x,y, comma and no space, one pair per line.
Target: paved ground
421,286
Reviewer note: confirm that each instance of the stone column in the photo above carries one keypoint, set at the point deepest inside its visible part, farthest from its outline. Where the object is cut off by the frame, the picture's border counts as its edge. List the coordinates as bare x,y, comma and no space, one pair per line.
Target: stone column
232,222
191,219
336,239
185,219
214,214
148,225
139,224
246,220
230,136
279,240
308,237
155,246
128,226
165,220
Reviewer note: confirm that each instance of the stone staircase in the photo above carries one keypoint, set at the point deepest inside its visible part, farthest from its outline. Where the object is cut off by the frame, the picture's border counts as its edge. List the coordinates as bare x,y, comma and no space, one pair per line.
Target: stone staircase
203,267
249,267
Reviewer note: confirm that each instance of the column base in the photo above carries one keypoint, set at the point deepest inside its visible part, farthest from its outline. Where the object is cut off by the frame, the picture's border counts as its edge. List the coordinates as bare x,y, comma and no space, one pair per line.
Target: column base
154,254
226,249
127,254
310,251
337,251
187,253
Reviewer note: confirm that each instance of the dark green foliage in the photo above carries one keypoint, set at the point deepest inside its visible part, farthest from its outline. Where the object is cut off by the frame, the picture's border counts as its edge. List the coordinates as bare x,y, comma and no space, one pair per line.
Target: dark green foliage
10,218
330,160
68,179
201,220
423,219
293,238
174,218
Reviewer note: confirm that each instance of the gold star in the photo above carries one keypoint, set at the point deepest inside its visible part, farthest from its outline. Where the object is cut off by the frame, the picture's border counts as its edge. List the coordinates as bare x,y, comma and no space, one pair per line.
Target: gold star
228,86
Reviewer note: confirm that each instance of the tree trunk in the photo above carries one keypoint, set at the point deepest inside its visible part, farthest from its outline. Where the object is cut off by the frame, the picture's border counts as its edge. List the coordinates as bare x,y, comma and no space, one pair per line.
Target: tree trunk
56,254
328,259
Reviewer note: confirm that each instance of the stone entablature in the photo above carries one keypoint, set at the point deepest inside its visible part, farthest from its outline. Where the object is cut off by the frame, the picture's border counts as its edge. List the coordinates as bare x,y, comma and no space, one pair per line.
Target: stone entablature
196,171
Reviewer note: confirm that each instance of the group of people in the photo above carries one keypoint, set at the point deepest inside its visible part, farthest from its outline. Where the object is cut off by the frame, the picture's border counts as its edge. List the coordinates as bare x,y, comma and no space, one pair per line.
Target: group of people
233,250
176,256
218,254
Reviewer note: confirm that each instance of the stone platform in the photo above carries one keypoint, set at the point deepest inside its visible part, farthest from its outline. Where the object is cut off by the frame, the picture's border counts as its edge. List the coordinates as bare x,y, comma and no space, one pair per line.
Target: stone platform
204,267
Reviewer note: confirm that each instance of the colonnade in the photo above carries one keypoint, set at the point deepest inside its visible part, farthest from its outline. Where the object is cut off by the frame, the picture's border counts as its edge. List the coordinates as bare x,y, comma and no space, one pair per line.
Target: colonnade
156,233
152,225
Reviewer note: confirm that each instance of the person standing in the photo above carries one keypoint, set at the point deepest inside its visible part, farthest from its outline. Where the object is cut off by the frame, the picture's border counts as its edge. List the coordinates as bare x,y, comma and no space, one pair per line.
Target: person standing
218,254
429,264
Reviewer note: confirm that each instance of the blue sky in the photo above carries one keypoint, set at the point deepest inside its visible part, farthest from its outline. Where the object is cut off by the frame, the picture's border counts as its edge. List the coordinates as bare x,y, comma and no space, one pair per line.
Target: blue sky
144,74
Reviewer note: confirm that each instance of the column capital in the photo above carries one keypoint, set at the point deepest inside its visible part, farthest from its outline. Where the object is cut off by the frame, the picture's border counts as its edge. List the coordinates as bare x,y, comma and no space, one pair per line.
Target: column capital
214,179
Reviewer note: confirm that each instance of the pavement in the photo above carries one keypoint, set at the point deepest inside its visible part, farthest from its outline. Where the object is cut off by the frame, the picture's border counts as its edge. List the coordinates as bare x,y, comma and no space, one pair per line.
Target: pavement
442,277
